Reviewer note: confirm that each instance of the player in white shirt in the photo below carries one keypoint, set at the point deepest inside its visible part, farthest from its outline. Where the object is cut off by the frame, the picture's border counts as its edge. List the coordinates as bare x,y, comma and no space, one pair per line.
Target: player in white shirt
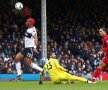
30,43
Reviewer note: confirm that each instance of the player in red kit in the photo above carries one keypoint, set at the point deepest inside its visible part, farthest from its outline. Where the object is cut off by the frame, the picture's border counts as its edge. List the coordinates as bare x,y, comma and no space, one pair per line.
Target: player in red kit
104,62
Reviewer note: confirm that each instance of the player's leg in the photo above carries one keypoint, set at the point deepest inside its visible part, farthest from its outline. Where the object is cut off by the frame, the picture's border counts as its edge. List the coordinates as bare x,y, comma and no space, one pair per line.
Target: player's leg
56,79
75,78
36,67
42,75
29,62
79,79
62,77
40,78
33,65
29,55
19,56
101,67
71,78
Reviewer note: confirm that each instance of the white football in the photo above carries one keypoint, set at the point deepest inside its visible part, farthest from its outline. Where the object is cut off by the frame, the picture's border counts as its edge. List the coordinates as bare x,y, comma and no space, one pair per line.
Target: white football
18,5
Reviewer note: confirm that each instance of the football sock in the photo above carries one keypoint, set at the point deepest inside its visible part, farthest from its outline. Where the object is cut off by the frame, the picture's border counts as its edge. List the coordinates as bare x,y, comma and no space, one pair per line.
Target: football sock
34,66
79,78
97,73
18,68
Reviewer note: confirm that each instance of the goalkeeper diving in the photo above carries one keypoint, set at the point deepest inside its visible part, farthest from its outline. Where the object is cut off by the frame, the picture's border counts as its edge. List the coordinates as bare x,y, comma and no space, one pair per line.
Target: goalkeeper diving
58,74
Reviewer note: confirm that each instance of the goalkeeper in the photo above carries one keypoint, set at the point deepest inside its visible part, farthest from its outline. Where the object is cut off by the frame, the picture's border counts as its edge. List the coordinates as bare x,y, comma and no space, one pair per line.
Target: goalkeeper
58,74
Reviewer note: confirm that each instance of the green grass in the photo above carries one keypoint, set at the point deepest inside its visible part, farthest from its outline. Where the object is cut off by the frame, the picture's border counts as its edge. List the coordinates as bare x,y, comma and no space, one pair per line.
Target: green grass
102,85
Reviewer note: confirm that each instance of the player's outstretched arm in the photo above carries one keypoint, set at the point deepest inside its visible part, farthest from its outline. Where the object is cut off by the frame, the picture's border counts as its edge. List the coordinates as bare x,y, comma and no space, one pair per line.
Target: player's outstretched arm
58,66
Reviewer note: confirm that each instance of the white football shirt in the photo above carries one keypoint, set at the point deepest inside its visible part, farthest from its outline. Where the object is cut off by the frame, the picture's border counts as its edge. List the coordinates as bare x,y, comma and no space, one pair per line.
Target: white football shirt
29,42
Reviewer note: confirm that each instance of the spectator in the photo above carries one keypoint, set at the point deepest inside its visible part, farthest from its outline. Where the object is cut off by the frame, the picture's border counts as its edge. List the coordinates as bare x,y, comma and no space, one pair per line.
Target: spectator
72,34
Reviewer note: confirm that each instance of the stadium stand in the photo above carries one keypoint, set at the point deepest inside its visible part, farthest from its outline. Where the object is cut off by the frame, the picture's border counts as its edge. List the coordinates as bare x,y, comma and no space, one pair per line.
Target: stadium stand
72,33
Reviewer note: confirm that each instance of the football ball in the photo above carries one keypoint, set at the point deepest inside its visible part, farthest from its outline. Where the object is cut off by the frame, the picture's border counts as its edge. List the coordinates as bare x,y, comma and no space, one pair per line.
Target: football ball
18,5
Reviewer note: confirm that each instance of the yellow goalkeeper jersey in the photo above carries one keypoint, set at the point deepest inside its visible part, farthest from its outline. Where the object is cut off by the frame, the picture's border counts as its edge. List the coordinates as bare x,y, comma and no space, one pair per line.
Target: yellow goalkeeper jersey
53,67
58,73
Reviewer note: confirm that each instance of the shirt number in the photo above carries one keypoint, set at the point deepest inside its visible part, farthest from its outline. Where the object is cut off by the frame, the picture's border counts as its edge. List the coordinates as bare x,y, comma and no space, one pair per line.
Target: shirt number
29,55
49,66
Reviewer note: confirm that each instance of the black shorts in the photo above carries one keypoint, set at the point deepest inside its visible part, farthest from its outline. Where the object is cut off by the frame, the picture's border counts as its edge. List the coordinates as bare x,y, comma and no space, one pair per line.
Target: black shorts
27,52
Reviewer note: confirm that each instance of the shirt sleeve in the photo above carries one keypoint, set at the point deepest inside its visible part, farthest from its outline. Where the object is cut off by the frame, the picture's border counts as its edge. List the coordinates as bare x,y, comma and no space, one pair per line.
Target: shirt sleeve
58,65
34,31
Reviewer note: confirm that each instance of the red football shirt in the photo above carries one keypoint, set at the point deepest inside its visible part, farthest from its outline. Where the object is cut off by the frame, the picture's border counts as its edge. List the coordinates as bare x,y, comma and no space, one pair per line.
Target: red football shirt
105,44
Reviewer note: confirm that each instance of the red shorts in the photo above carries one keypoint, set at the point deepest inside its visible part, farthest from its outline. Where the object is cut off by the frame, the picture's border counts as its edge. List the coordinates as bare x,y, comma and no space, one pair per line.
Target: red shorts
105,60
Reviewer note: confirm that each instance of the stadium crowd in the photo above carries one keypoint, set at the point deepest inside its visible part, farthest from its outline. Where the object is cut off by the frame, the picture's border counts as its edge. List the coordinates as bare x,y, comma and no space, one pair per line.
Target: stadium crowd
72,34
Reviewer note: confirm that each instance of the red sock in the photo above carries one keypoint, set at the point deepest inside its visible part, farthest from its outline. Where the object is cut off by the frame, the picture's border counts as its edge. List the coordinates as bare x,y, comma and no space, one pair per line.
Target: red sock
97,72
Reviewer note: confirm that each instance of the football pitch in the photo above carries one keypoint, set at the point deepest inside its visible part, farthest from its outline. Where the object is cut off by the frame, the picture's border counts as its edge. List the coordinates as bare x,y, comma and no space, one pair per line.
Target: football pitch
32,85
